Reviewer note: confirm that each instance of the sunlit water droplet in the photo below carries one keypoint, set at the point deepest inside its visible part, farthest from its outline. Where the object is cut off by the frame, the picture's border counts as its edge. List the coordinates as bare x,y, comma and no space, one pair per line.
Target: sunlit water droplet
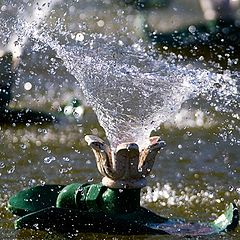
23,146
48,160
11,170
27,86
2,165
66,159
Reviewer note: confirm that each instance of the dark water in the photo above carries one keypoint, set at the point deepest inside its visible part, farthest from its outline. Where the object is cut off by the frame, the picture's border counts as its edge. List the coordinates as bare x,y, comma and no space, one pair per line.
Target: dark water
194,176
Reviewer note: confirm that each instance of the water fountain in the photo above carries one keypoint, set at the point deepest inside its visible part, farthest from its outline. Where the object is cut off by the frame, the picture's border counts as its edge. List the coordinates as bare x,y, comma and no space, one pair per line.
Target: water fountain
132,94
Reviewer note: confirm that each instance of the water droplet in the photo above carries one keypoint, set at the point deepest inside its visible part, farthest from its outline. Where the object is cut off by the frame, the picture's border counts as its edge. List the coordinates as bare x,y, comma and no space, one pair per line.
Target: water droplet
48,160
11,170
31,182
64,170
79,37
100,23
66,159
42,182
192,29
88,162
27,86
179,146
23,146
90,180
2,165
68,110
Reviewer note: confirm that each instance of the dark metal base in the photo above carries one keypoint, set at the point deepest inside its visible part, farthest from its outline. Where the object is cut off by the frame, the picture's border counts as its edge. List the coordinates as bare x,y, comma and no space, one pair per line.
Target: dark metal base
88,208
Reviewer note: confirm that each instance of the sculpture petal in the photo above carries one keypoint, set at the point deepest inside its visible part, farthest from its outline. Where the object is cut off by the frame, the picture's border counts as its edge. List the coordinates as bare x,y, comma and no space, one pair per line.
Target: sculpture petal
102,154
147,155
126,161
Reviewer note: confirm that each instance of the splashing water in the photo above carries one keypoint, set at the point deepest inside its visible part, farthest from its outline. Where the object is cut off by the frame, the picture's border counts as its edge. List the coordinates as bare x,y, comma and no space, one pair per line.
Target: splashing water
131,92
27,17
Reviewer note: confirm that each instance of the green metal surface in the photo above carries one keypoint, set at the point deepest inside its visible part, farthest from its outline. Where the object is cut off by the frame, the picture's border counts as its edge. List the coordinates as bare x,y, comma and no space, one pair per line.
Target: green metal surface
121,200
67,196
34,199
228,220
96,208
74,220
99,198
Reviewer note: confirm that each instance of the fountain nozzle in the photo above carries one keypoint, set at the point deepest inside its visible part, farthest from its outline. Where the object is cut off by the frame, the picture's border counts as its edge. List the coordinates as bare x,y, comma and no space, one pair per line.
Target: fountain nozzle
127,167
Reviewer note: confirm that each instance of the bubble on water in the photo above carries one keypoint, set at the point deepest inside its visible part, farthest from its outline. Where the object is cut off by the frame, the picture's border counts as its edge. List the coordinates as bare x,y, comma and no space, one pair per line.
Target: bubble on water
3,8
192,29
38,143
78,112
68,110
88,162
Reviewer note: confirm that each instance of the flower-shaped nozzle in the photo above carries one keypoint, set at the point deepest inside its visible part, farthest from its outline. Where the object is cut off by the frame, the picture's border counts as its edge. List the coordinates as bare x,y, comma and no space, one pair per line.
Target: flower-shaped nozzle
126,167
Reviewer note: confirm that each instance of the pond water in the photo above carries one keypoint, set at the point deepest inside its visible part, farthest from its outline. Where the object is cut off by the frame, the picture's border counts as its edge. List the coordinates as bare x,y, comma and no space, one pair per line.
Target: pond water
194,177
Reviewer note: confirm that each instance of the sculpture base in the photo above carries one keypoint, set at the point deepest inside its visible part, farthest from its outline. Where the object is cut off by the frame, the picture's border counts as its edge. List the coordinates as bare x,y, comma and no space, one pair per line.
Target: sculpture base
88,209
